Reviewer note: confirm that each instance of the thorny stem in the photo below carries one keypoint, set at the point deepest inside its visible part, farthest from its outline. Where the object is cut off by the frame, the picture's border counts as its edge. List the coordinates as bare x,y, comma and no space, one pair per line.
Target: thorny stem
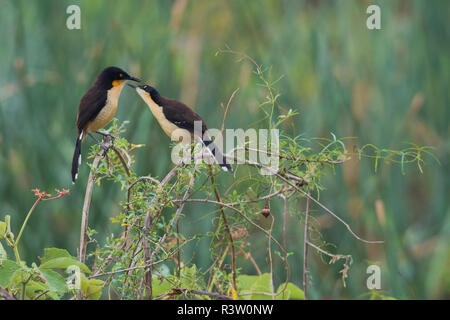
267,233
166,180
291,183
227,228
150,257
180,291
296,187
219,262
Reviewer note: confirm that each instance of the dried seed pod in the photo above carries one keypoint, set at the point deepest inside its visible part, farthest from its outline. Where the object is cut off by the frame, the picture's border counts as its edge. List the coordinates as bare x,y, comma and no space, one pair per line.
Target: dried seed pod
266,211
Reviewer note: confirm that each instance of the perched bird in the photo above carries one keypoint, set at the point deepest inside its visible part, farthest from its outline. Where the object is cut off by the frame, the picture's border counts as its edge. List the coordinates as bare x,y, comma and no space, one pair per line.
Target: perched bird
98,107
172,115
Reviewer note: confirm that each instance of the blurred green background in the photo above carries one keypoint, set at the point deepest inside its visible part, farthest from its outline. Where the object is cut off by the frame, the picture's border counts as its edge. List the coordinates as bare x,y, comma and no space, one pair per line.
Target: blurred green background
386,87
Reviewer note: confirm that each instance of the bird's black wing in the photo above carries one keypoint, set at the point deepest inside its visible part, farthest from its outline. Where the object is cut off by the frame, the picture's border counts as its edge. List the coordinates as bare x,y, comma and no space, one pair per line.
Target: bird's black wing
90,105
181,115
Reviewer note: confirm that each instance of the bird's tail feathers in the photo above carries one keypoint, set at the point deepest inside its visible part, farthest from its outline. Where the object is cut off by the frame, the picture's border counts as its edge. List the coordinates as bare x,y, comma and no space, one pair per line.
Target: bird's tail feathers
76,161
218,155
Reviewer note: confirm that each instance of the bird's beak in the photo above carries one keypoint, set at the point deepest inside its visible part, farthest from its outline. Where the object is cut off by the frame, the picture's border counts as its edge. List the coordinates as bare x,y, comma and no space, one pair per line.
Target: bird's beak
134,79
133,85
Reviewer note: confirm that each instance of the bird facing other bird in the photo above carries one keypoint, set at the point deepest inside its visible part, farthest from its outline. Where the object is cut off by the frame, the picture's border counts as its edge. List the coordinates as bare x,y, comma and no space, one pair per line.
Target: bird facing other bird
174,115
98,107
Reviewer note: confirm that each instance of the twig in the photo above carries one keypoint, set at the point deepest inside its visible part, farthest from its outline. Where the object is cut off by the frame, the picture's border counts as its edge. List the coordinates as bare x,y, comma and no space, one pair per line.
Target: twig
227,228
166,180
226,109
147,255
107,142
286,157
334,257
148,274
269,250
179,291
133,184
5,294
296,187
285,201
319,249
41,294
122,160
305,246
248,255
218,262
283,250
211,294
337,218
171,174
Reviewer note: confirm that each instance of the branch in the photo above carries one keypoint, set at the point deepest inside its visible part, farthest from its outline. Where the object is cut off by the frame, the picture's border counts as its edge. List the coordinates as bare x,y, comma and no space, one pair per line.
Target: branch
122,160
268,234
166,180
227,228
296,187
5,294
334,257
149,257
107,142
305,247
179,291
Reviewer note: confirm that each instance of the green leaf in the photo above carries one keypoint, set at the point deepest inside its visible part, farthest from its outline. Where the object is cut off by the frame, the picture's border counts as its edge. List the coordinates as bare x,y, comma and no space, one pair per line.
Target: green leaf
189,277
388,298
34,288
91,288
160,287
247,285
292,292
53,253
7,270
64,263
54,281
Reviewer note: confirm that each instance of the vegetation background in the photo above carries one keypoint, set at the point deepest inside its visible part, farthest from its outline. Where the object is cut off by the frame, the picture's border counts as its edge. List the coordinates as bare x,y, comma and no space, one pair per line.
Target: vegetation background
386,87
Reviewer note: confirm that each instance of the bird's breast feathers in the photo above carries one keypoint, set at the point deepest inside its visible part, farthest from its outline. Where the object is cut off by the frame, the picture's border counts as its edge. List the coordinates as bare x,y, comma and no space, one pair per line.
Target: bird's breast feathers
167,126
108,112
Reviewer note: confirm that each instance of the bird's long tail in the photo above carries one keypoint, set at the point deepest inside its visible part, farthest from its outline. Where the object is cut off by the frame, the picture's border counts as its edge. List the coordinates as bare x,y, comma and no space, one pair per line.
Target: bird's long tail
76,161
218,155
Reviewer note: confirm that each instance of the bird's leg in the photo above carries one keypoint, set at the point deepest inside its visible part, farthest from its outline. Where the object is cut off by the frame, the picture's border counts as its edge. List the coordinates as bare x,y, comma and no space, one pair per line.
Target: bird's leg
105,148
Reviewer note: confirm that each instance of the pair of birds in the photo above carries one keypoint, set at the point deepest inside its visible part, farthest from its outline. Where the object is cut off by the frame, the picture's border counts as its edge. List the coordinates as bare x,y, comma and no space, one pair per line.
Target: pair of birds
99,105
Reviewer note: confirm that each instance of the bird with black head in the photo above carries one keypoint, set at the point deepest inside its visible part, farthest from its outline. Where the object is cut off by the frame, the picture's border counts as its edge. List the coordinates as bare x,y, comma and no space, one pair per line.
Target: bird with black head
98,107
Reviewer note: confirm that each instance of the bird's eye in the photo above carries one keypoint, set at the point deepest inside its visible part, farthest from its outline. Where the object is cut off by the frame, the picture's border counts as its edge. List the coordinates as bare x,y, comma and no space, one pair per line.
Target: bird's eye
121,75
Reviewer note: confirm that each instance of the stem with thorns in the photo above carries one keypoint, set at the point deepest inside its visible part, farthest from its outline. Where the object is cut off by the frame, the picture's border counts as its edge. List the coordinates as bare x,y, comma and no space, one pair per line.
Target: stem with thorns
227,228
